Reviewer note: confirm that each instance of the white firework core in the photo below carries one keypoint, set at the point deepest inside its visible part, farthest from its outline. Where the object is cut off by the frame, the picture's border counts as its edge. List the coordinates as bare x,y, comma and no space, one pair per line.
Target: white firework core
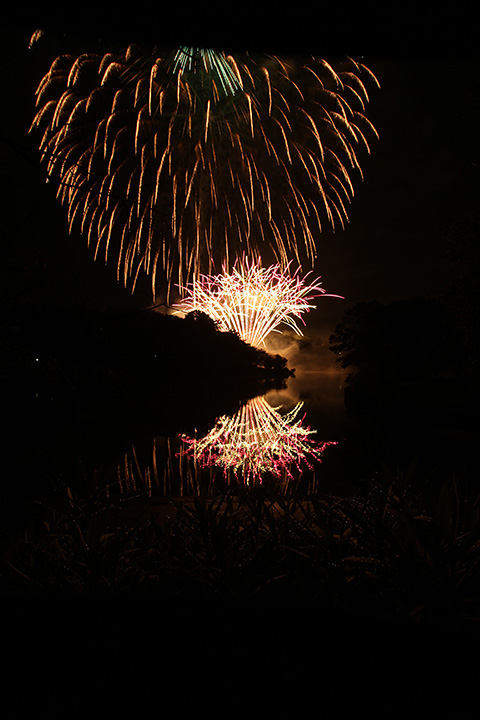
252,300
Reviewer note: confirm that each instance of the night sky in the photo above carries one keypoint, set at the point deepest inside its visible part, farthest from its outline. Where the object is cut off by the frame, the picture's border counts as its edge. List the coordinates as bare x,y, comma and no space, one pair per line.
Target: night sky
422,177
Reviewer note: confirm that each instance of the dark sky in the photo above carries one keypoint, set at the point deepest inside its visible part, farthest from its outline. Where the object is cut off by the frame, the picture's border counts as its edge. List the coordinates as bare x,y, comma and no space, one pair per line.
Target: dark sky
385,28
422,176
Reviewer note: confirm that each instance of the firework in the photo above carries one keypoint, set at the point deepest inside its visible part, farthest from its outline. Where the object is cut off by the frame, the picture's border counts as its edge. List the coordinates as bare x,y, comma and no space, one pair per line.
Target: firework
258,442
253,301
172,160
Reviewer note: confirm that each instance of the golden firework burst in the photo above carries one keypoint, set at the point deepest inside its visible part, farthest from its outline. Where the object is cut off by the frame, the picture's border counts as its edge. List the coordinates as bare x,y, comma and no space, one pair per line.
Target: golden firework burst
171,161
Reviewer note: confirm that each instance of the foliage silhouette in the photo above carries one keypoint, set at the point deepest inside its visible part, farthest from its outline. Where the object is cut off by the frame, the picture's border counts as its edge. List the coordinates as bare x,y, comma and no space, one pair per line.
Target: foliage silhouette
404,547
401,340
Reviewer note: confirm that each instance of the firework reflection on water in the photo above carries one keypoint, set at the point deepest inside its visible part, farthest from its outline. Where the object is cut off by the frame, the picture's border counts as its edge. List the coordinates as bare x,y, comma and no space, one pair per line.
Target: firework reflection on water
258,443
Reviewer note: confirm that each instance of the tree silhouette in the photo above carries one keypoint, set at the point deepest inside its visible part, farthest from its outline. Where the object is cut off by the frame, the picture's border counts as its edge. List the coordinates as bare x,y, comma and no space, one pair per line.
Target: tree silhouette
398,341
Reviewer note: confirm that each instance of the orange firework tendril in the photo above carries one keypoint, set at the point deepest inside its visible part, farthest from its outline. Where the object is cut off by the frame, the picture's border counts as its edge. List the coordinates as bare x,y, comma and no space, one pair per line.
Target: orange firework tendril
170,162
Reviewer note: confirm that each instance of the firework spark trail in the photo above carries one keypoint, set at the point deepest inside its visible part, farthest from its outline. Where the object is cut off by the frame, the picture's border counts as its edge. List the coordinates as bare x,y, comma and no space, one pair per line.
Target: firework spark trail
177,160
253,301
257,442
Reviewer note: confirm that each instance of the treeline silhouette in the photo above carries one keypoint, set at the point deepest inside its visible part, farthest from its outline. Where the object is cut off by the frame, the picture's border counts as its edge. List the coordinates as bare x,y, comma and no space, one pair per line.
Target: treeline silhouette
427,343
56,349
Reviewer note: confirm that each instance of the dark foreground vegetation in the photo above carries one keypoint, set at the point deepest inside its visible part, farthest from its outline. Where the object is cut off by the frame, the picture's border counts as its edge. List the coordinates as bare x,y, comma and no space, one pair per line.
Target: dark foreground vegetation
254,600
402,547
